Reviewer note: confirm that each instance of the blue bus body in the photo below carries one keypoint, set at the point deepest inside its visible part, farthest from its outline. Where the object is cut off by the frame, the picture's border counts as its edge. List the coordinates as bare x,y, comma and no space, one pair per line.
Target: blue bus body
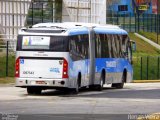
113,67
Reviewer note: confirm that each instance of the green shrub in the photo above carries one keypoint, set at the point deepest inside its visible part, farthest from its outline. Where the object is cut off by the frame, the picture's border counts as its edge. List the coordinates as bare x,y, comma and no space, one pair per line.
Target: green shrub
11,64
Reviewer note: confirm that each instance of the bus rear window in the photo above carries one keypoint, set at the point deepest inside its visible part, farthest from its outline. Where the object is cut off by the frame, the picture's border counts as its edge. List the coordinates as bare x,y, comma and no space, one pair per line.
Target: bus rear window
42,43
35,42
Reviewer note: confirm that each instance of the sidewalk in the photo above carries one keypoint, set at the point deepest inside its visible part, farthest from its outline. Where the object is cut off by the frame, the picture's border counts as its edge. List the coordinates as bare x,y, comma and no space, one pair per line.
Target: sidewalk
7,81
7,85
146,81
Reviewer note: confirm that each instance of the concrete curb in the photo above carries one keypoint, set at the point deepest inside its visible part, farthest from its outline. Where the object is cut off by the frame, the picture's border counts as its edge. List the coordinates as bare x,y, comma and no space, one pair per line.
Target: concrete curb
145,81
148,41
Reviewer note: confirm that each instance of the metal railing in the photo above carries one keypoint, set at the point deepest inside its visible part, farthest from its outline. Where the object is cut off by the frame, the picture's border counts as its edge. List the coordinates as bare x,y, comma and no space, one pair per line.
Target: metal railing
7,60
136,22
146,68
11,39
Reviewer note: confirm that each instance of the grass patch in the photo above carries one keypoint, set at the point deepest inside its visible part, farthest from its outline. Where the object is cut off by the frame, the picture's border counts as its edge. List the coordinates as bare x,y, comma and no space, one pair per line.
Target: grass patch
11,64
7,80
146,68
144,49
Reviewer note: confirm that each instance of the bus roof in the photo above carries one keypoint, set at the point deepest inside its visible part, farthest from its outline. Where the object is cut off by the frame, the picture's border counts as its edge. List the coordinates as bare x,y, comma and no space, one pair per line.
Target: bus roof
72,28
69,25
101,30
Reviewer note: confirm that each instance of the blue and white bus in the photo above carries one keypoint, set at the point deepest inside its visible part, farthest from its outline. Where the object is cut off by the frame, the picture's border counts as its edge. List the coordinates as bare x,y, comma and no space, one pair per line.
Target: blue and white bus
72,55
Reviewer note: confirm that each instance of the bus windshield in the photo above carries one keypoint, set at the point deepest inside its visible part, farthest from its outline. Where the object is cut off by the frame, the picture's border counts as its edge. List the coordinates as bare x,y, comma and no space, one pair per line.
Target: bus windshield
42,43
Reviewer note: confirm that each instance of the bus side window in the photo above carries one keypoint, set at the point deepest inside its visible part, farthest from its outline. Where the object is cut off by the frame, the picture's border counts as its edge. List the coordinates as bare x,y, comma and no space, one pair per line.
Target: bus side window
120,46
129,50
78,46
124,46
85,45
109,46
105,49
114,46
113,51
73,47
117,45
98,46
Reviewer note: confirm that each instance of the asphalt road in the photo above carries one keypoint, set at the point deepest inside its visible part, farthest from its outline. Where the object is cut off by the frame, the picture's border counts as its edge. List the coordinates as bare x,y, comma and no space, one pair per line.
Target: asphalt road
110,104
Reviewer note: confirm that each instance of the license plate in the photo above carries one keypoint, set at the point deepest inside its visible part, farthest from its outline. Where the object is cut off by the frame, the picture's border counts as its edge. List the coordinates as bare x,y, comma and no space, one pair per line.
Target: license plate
41,82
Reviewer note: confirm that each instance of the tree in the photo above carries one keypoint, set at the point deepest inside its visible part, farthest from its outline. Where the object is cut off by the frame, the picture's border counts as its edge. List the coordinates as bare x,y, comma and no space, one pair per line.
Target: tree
58,10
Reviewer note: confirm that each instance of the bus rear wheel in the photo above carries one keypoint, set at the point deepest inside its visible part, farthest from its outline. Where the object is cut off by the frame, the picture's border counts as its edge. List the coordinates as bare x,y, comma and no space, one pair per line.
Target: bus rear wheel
33,90
100,86
76,90
78,84
119,85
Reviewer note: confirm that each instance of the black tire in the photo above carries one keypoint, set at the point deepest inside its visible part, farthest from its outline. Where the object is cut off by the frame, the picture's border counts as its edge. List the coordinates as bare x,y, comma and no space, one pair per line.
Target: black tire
33,90
119,85
92,87
30,90
78,84
100,86
38,91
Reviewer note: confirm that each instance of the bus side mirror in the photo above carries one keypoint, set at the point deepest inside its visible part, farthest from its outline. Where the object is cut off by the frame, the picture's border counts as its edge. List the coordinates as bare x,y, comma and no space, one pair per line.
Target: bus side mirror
133,45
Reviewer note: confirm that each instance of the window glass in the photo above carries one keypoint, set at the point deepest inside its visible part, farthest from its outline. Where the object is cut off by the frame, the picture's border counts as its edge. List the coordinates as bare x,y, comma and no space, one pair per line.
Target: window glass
111,46
78,47
120,46
125,41
42,43
122,7
114,48
35,42
98,46
101,46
